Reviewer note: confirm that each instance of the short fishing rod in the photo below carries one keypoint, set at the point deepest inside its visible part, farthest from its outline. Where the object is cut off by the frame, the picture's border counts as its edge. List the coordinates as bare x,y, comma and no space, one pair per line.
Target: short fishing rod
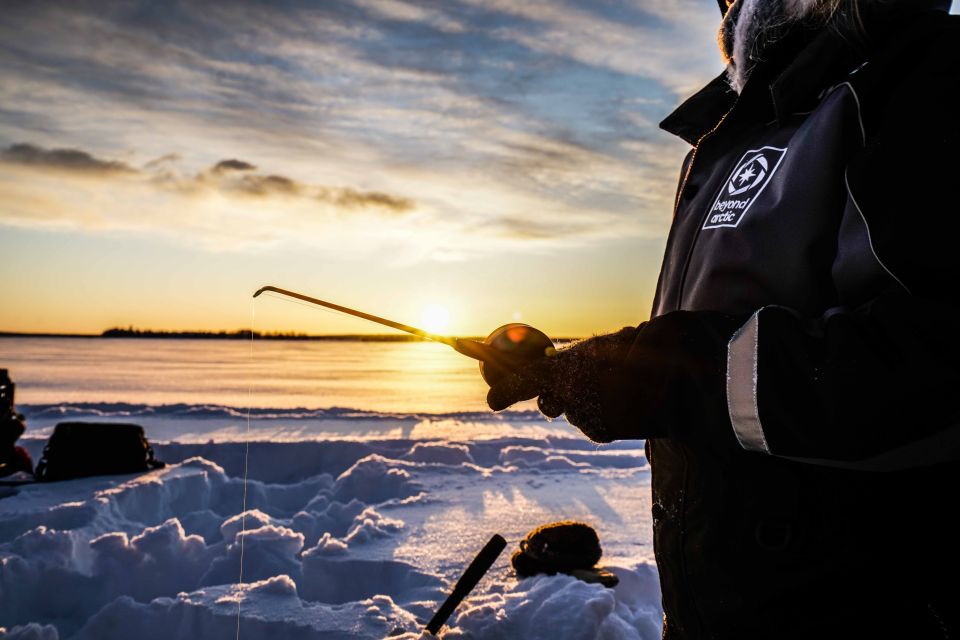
507,349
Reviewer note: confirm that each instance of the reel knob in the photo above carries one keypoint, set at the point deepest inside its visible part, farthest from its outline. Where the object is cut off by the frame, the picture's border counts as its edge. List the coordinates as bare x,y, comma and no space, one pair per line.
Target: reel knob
519,344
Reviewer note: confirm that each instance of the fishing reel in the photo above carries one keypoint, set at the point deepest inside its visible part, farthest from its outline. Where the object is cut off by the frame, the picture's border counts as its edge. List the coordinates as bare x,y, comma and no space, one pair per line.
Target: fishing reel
512,347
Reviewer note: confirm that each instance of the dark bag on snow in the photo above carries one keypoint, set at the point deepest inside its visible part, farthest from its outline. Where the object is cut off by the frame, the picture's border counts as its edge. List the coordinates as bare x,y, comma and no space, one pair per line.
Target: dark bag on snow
81,449
562,547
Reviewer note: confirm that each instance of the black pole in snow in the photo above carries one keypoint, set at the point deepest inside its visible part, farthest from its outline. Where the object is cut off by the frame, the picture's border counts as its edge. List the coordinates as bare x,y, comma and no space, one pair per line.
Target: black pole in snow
480,565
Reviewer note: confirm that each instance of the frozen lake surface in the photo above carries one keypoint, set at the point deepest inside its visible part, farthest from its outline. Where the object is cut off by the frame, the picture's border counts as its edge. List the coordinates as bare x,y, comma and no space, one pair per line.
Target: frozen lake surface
367,495
407,377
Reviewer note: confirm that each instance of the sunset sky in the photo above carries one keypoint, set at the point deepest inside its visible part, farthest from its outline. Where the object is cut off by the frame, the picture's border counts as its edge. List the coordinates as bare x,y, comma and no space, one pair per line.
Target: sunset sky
494,158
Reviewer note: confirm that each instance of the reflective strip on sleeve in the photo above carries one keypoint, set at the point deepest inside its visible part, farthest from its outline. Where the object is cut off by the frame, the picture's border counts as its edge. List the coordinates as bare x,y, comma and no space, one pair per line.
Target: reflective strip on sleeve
742,363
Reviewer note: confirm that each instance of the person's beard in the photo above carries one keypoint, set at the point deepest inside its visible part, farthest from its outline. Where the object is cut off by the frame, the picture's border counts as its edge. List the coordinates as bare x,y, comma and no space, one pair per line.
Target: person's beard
750,27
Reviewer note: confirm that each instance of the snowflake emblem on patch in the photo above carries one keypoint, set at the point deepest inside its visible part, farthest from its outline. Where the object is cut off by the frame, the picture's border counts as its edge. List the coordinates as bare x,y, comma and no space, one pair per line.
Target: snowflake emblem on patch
745,184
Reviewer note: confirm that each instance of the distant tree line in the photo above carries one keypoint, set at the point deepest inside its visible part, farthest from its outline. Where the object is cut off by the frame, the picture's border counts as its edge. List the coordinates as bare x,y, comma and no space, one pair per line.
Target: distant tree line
238,334
246,334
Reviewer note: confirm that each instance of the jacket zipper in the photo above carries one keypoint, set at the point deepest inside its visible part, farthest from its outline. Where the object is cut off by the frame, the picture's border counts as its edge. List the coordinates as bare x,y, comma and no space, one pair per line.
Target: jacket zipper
676,209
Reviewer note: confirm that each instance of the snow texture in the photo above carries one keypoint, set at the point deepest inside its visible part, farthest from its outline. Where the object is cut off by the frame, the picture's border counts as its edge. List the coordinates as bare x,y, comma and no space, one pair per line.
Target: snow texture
339,539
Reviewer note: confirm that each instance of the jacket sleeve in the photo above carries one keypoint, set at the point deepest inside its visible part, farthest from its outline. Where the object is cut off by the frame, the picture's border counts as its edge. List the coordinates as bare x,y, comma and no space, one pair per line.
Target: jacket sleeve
874,388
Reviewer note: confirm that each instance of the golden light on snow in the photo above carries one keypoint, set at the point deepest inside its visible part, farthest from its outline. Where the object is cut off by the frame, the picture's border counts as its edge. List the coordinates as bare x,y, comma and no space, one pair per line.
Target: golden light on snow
435,319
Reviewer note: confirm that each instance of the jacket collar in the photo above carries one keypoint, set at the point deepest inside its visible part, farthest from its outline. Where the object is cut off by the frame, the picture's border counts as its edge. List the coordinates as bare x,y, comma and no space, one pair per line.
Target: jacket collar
828,59
820,61
702,111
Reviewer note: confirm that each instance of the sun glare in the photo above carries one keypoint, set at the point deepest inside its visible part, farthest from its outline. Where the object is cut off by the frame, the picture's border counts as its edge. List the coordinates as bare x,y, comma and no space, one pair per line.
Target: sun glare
435,319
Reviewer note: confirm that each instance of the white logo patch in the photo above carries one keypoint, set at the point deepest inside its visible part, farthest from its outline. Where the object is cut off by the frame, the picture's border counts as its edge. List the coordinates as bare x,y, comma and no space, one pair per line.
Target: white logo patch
743,187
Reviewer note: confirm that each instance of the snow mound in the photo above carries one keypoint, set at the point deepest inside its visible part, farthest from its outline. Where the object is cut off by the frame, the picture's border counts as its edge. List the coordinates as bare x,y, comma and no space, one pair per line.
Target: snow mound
267,551
32,631
322,516
532,457
439,453
160,560
329,546
548,607
375,479
371,525
339,539
251,519
276,586
263,610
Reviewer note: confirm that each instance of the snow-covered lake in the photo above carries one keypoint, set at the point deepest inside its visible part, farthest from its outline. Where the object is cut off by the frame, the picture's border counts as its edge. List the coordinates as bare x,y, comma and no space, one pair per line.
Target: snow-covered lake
374,476
407,377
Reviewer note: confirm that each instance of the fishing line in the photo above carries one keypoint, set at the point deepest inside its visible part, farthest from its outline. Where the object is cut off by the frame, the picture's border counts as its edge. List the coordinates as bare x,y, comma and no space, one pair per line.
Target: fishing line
307,305
246,461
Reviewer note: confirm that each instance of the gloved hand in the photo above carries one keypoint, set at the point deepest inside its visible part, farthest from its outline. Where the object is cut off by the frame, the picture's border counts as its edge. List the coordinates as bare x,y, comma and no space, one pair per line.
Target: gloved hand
655,380
569,381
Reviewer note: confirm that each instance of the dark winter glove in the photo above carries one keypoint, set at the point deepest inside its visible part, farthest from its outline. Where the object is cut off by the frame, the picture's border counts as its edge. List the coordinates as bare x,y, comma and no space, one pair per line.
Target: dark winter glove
655,380
569,381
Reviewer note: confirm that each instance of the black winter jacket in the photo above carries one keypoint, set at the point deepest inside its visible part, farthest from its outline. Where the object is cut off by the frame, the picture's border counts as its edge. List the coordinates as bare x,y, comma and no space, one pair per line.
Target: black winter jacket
821,206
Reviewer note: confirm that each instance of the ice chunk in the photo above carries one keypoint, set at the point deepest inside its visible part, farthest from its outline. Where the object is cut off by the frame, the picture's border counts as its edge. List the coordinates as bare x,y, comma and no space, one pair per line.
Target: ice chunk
375,479
537,458
251,519
281,585
48,546
327,546
370,525
267,551
160,560
439,453
336,518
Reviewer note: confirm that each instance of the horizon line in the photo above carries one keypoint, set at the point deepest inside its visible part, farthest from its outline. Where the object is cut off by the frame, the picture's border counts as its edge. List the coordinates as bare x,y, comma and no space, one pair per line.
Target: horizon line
236,334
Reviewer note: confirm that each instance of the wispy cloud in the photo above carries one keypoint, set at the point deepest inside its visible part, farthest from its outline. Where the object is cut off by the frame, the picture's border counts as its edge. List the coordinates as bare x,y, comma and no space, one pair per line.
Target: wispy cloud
232,164
526,124
61,159
232,179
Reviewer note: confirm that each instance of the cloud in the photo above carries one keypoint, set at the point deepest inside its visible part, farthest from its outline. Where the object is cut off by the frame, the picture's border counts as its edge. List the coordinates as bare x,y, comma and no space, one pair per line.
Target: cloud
524,229
271,185
229,177
260,185
162,161
232,165
353,199
650,40
413,12
62,159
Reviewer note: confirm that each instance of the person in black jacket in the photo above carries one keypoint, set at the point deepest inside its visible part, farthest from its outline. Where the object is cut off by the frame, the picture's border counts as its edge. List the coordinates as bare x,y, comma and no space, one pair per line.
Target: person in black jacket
797,382
13,459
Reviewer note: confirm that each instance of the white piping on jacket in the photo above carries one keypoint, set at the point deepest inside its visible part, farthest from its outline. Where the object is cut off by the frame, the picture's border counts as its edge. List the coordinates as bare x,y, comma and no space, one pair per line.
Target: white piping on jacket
846,181
743,377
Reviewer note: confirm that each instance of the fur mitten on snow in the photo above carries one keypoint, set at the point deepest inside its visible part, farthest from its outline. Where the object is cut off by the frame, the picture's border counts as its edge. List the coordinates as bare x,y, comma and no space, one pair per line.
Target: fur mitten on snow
557,547
656,380
566,547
